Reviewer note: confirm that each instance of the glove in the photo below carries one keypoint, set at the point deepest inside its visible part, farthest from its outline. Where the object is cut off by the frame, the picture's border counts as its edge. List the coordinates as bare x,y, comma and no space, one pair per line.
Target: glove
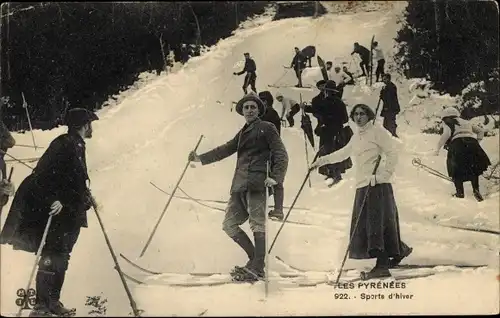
234,73
55,208
373,180
193,157
316,164
7,187
270,182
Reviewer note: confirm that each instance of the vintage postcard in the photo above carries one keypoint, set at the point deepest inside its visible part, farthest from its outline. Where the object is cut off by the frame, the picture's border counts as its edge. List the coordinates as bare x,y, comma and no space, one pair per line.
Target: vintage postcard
249,158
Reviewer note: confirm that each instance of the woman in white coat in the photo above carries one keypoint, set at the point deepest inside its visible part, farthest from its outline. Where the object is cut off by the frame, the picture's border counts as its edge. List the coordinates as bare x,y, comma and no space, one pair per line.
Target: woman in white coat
377,233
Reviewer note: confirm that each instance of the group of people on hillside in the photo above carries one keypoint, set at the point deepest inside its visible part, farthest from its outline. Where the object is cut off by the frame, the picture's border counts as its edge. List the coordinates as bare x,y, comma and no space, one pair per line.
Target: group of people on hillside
57,187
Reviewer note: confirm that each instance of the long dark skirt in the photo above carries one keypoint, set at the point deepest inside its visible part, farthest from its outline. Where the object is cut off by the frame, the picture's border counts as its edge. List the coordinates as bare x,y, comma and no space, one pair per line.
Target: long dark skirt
378,226
466,159
331,141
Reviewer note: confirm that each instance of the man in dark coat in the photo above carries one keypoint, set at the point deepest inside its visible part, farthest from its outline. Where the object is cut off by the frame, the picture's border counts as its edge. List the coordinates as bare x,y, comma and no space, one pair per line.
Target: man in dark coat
364,54
271,115
389,97
299,62
333,129
250,68
7,188
256,144
58,187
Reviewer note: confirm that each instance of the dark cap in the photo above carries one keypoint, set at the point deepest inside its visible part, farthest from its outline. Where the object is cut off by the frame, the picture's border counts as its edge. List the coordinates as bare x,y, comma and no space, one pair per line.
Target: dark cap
78,117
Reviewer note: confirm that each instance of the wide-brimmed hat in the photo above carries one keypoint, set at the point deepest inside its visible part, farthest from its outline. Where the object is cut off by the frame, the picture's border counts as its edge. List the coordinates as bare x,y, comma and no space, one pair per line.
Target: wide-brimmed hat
267,97
78,117
328,85
251,97
450,112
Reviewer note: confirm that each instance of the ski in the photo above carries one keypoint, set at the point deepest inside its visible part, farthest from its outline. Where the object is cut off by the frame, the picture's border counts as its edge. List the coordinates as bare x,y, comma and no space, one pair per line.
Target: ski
370,71
472,229
188,197
290,86
322,66
193,274
394,276
217,279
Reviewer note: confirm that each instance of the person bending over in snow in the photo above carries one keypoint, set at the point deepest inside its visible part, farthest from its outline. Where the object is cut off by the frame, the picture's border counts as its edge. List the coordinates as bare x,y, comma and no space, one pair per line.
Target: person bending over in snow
351,81
377,234
364,54
309,52
466,160
289,109
58,187
256,144
271,115
250,68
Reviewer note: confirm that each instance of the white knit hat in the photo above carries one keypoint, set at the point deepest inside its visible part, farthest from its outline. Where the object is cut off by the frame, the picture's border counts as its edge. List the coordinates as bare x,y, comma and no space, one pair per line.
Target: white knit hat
450,112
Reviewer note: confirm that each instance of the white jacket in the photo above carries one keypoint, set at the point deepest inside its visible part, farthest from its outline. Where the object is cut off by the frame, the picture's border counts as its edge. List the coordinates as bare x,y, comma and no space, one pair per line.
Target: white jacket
340,77
466,129
287,104
378,54
364,148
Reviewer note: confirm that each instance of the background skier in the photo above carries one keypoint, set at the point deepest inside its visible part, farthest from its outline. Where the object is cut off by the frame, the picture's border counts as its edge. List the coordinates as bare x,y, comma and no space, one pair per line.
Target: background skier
378,55
298,64
389,97
309,52
289,108
466,160
377,234
364,54
351,81
271,115
255,144
340,78
331,114
250,68
57,186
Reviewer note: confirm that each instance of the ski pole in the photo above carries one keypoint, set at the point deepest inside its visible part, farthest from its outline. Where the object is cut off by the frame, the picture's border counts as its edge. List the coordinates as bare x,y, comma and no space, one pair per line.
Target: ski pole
37,259
357,221
305,142
18,160
117,265
293,203
266,257
376,110
169,200
25,106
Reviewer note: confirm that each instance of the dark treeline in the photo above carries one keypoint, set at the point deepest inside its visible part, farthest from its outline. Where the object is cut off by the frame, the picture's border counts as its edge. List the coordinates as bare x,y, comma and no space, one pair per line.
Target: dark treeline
65,55
454,43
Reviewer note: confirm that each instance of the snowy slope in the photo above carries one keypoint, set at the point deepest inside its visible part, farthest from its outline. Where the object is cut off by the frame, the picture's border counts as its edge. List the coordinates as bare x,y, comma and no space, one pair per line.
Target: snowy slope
147,137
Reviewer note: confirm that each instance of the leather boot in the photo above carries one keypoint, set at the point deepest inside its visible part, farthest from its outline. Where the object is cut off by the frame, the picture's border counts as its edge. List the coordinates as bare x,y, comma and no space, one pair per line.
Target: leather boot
242,239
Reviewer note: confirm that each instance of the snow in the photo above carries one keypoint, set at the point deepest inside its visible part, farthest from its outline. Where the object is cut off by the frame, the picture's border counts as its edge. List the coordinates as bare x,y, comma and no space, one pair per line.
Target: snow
146,136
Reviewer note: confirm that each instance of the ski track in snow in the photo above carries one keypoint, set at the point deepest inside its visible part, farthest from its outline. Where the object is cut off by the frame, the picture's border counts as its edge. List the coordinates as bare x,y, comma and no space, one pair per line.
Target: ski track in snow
146,135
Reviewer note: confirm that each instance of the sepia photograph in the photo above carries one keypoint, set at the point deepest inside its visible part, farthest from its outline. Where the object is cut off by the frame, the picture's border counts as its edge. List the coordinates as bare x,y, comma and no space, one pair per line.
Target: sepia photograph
249,158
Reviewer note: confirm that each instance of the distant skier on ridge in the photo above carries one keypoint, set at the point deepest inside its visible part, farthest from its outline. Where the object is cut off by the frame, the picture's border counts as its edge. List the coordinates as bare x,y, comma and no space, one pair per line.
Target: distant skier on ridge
250,68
